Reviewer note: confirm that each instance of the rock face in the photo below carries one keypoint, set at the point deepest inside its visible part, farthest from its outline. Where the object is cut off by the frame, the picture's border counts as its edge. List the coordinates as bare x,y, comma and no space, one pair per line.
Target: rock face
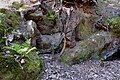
82,39
89,48
77,27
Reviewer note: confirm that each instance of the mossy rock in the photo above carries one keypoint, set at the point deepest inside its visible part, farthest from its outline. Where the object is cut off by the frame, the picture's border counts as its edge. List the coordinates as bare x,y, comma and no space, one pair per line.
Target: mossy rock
115,26
9,20
11,69
86,49
84,30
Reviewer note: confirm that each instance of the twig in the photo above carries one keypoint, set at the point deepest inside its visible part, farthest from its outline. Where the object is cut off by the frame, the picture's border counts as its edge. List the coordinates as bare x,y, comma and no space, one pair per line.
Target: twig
64,33
64,45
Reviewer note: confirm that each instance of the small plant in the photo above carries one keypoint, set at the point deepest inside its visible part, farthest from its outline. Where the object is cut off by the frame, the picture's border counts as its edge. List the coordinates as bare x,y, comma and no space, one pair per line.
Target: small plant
2,40
82,58
16,5
52,15
114,21
23,49
115,26
20,59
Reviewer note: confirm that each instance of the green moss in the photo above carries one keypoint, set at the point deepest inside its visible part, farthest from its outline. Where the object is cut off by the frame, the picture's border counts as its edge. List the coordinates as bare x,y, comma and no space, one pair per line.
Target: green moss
69,59
9,20
11,69
66,59
34,67
82,58
85,31
115,26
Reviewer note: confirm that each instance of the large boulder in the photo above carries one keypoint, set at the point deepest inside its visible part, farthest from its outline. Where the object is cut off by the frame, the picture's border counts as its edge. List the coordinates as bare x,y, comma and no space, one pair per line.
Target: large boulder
86,49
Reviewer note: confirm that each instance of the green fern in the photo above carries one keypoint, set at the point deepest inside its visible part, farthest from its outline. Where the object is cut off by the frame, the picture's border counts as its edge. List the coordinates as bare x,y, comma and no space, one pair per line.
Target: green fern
23,49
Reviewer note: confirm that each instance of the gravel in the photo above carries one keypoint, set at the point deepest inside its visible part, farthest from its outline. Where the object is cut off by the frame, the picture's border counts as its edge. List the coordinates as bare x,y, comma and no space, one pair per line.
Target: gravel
87,70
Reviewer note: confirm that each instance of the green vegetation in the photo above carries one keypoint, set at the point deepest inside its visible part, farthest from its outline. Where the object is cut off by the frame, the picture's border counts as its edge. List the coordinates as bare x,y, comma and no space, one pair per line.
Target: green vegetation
2,30
115,26
22,62
84,31
18,61
17,5
102,1
66,59
23,49
52,15
9,21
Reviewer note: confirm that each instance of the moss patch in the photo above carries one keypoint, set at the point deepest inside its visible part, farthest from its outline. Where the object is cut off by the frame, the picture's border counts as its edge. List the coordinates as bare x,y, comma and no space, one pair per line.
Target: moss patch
84,31
66,59
9,20
11,67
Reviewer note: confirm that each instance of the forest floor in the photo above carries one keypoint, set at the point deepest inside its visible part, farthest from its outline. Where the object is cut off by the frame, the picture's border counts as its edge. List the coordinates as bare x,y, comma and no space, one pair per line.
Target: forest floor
87,70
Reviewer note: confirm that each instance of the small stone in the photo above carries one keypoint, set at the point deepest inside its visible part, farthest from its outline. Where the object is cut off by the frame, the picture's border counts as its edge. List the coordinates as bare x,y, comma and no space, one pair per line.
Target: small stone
7,66
33,1
97,34
7,52
22,61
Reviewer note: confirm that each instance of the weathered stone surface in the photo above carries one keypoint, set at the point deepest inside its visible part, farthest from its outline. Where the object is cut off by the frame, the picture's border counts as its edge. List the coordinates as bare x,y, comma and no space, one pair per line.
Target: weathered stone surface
86,49
86,27
47,43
